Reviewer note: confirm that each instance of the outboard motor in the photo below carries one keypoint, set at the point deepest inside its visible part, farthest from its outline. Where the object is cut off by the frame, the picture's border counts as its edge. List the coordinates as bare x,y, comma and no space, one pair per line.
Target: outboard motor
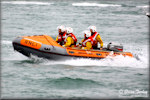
115,47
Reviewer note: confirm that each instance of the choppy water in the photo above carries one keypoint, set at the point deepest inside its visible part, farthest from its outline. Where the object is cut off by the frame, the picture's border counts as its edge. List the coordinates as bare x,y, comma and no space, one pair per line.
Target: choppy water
120,21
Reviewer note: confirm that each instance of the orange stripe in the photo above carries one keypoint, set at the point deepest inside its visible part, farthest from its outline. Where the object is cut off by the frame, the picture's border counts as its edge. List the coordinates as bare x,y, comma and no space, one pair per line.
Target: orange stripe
95,54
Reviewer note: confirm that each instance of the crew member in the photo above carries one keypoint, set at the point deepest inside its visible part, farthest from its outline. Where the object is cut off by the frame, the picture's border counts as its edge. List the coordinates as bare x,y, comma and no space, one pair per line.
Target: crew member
62,34
87,42
70,39
96,37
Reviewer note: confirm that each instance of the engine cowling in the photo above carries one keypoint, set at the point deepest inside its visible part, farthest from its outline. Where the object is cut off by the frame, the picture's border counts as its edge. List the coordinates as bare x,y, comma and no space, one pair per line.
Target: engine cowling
115,47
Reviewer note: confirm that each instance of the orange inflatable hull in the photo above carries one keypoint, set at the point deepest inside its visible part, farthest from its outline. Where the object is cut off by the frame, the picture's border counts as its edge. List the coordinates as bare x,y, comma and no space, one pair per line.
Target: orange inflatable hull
95,53
46,47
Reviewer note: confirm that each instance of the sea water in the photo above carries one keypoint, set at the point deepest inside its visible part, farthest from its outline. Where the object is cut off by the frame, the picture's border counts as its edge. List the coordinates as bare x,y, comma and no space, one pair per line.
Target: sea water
119,21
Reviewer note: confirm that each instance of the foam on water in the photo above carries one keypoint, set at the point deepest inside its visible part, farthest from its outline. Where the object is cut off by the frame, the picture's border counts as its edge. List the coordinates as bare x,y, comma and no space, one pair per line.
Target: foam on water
27,2
15,56
6,42
140,59
118,61
94,4
146,6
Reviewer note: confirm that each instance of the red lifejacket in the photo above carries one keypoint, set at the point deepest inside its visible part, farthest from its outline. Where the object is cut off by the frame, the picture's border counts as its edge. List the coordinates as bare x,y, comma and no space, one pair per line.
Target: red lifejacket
61,37
73,37
90,39
94,38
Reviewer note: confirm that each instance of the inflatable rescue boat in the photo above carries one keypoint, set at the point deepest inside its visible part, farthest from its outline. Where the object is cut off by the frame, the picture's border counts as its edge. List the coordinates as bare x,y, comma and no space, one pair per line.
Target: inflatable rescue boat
46,47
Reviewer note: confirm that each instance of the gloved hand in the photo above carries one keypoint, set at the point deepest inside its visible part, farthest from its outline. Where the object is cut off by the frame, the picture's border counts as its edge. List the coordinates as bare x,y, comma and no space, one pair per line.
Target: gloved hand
63,45
79,45
101,48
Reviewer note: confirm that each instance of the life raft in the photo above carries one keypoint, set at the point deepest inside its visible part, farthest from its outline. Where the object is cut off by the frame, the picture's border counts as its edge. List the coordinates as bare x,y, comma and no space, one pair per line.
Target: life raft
46,47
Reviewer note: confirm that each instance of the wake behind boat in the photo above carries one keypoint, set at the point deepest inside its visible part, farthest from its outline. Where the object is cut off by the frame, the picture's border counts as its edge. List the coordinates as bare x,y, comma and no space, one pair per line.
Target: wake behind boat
46,47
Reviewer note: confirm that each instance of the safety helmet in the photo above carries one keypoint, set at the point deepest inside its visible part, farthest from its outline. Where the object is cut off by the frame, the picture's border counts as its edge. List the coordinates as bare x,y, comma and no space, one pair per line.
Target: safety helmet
93,28
69,30
62,28
87,33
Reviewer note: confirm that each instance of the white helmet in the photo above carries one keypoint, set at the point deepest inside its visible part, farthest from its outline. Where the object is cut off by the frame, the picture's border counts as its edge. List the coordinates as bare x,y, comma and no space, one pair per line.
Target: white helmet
87,33
62,28
93,28
69,30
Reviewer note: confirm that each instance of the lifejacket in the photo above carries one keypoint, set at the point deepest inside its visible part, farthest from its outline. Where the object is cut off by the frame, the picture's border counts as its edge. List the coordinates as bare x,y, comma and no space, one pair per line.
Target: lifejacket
72,36
90,39
94,39
61,37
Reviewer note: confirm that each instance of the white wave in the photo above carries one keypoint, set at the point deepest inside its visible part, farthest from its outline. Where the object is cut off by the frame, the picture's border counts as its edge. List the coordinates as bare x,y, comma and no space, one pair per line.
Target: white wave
94,4
6,42
146,6
14,56
118,61
27,2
